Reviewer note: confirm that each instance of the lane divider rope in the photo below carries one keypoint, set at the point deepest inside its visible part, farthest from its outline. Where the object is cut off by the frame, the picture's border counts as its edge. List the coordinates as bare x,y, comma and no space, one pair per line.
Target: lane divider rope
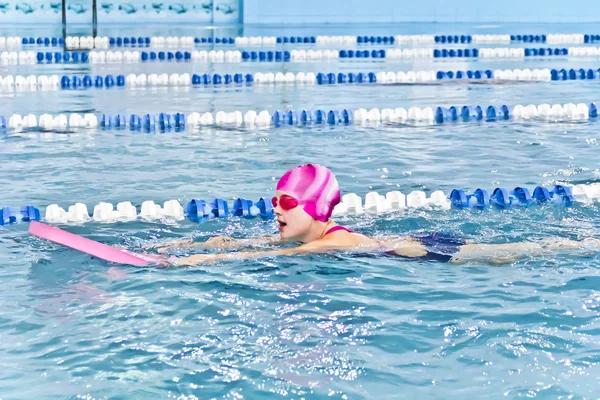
11,83
295,55
324,40
251,119
351,204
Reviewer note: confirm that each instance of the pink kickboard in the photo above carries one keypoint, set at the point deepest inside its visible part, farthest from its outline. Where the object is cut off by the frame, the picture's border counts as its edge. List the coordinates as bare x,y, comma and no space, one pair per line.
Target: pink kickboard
88,246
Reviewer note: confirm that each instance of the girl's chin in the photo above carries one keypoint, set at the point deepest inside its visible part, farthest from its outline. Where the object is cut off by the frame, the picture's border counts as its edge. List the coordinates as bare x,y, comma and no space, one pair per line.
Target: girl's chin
283,235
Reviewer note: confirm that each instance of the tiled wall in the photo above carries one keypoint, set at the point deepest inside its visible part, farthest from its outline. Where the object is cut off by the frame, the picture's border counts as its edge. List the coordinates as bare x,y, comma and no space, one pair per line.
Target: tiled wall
390,11
299,12
80,11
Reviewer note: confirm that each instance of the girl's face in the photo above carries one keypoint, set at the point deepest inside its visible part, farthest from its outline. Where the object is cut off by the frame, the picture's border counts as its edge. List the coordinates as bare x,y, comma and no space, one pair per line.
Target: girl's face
294,223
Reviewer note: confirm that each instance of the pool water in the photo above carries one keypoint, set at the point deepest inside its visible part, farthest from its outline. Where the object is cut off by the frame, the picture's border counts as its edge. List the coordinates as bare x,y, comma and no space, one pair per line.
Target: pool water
308,327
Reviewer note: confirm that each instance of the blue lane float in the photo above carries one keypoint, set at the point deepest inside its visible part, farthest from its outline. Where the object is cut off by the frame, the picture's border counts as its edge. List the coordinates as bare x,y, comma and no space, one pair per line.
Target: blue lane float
517,197
591,38
162,122
297,39
24,214
43,41
456,53
574,74
453,39
528,38
62,57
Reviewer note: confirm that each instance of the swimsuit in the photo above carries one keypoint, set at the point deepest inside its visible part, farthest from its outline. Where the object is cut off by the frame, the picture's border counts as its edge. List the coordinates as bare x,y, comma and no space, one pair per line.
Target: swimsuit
337,228
439,246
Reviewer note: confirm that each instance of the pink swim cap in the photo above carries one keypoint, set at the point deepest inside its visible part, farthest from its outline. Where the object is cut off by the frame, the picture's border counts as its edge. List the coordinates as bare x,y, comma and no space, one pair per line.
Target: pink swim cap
315,187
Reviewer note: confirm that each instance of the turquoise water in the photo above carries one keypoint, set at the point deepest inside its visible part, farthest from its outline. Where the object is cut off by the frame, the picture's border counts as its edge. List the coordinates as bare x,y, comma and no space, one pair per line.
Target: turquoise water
299,327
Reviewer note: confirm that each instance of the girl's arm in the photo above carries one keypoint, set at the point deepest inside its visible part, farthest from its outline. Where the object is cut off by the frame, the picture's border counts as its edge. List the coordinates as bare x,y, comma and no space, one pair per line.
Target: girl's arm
224,242
322,245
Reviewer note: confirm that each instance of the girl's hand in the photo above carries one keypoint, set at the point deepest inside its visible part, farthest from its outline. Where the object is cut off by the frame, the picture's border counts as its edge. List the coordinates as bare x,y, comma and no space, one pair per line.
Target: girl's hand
197,259
164,247
163,250
167,263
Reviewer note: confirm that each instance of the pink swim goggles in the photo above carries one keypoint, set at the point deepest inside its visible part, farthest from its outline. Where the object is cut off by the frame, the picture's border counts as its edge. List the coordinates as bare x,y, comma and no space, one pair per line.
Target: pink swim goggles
286,202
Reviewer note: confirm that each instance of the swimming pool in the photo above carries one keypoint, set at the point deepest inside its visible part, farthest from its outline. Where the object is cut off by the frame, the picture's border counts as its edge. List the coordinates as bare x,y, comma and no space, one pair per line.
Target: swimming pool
299,327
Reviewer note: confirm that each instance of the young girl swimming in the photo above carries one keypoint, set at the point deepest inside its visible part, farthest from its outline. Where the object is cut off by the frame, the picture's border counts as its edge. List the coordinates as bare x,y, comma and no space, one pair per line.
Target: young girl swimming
303,203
